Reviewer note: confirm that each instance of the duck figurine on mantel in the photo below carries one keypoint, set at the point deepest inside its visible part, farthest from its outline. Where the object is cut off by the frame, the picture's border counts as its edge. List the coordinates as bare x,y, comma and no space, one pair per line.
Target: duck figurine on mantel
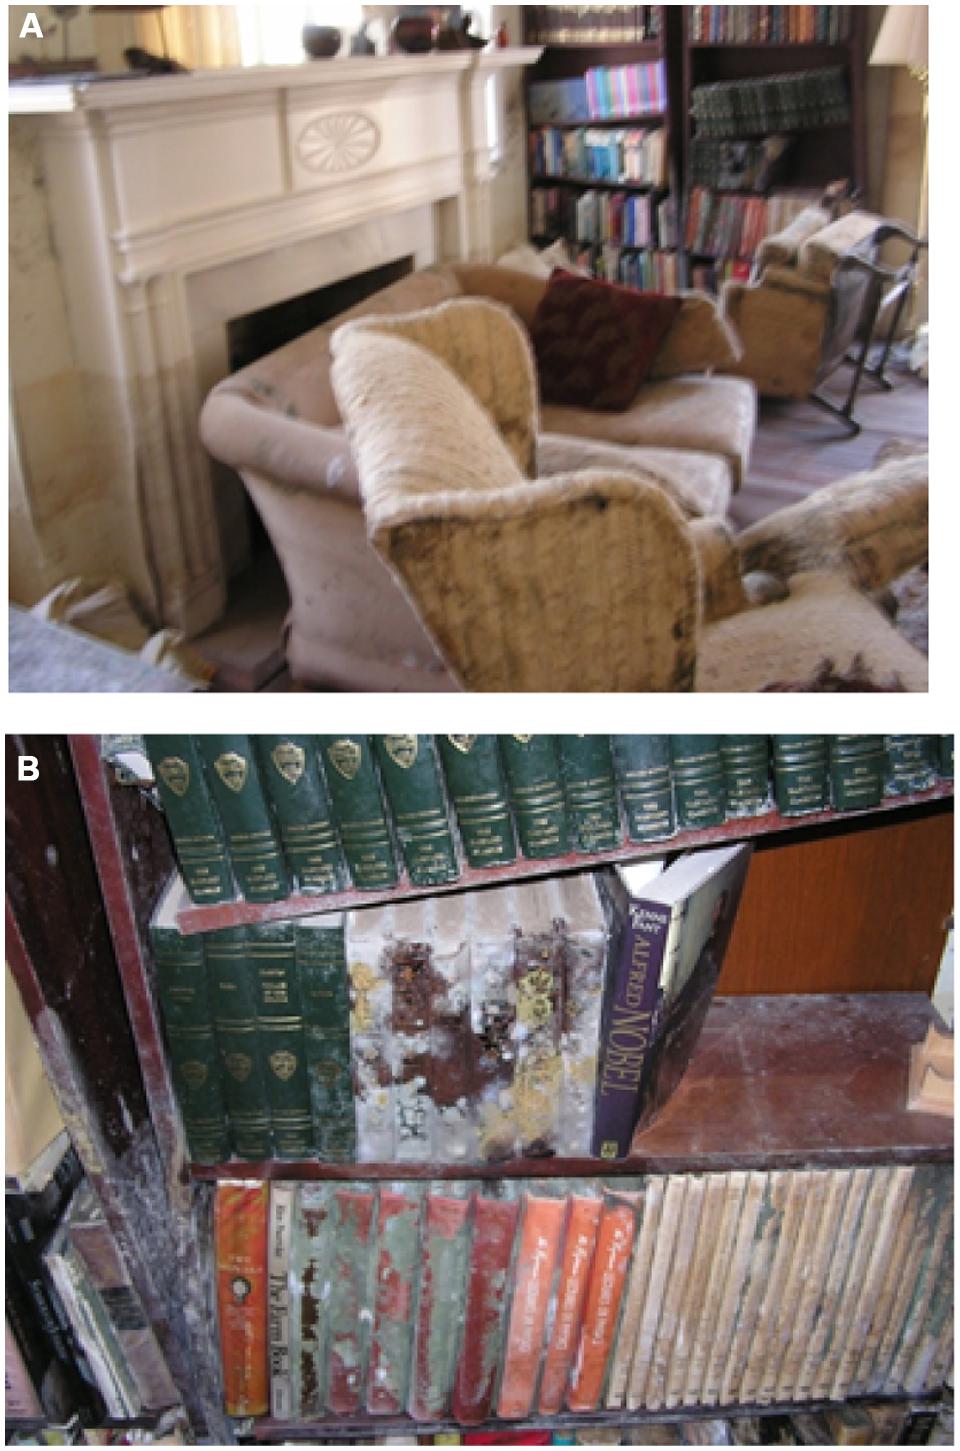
457,34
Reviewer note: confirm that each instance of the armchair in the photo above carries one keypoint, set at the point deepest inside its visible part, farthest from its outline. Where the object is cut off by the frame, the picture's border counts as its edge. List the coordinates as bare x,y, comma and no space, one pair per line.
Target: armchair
814,301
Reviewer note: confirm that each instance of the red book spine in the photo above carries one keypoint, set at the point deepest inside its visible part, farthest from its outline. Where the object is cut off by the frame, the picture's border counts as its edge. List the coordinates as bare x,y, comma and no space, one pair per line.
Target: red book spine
607,1278
494,1226
240,1244
398,1245
443,1265
348,1306
578,1251
533,1281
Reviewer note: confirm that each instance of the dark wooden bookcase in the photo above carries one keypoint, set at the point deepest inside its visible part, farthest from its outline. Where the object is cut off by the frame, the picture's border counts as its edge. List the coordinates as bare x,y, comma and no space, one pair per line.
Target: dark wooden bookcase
88,859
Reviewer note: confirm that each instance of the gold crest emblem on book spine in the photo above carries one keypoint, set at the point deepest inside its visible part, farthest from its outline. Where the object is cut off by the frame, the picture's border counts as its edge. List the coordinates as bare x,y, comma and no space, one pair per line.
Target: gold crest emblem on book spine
194,1074
463,744
283,1064
290,761
232,770
175,773
402,750
238,1065
524,740
345,757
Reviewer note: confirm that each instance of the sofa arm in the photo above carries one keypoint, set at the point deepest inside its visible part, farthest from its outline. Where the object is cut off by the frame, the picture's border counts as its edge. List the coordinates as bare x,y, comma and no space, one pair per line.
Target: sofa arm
519,291
239,430
781,326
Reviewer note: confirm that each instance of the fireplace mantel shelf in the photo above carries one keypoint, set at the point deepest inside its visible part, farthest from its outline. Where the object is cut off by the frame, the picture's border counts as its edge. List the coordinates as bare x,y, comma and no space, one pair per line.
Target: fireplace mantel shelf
31,98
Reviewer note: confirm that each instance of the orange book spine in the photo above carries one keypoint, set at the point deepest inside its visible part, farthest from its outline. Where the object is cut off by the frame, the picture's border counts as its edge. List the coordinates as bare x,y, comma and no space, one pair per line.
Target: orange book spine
578,1249
240,1240
536,1264
611,1260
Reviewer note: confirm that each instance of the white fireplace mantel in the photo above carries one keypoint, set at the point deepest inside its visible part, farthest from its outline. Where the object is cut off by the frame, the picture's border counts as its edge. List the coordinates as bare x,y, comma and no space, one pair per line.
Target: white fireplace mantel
156,184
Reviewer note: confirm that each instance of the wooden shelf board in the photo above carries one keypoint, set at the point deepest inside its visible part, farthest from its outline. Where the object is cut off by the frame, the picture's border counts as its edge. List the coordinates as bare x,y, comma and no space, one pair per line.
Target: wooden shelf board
831,45
542,178
775,1082
596,121
192,918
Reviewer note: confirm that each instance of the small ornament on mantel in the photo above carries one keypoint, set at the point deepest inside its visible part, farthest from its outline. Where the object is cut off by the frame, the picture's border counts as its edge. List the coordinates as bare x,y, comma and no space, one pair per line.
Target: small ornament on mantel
930,1089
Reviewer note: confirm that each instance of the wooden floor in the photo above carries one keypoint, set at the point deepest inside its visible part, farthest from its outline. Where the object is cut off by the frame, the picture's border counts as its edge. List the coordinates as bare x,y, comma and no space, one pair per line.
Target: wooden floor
799,447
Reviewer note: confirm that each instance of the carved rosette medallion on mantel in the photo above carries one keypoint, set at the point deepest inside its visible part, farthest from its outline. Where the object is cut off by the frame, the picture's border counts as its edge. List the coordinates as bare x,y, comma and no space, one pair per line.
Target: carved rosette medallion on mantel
339,142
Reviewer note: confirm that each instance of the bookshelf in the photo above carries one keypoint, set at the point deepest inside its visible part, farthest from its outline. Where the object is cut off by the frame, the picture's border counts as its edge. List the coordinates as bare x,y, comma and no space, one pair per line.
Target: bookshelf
771,41
77,924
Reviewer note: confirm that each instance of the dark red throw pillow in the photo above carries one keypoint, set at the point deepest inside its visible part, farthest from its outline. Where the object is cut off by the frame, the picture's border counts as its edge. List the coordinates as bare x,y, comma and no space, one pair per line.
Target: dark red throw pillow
595,342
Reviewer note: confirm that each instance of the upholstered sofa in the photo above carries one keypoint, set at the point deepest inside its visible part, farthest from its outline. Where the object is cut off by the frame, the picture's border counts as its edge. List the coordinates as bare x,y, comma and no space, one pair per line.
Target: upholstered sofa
688,432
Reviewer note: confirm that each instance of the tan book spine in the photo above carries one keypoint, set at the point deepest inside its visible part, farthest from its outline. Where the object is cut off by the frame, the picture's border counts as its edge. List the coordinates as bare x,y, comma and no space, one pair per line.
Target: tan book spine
761,1258
761,1377
853,1281
723,1250
824,1215
904,1370
683,1256
831,1286
894,1270
891,1212
918,1207
941,1366
673,1198
733,1287
636,1293
691,1306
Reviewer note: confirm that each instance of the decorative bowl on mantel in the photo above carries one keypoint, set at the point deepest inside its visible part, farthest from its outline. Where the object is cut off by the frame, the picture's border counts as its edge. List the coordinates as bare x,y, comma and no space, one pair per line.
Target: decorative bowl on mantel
321,41
414,34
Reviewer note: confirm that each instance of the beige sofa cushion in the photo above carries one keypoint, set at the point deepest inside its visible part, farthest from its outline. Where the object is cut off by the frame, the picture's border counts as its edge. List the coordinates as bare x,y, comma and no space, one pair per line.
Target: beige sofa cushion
707,415
781,248
698,482
825,617
699,339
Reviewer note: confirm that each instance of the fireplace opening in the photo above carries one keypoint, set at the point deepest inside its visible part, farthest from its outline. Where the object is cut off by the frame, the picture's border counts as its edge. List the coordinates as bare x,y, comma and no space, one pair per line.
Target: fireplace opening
256,334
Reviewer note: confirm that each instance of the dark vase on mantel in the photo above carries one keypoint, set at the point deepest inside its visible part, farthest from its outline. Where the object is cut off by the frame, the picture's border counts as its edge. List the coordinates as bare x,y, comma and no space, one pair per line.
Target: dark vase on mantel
321,41
413,34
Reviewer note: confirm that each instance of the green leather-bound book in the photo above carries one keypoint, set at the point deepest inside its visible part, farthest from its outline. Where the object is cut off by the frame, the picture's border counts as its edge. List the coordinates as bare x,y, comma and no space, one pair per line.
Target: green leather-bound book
272,953
414,789
590,792
198,836
532,767
856,765
233,993
184,993
945,757
910,764
642,768
746,774
325,992
698,781
290,772
234,779
358,809
478,790
801,780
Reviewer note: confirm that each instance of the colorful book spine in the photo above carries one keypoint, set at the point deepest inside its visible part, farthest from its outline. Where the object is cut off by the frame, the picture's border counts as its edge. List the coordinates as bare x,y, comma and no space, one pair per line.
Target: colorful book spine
583,1222
311,1247
350,1298
532,766
536,1262
358,809
233,994
746,774
292,779
414,788
325,995
856,766
478,790
278,1300
443,1266
611,1260
801,780
240,1249
272,954
397,1258
645,783
198,836
590,792
184,992
910,764
636,963
252,842
698,781
494,1227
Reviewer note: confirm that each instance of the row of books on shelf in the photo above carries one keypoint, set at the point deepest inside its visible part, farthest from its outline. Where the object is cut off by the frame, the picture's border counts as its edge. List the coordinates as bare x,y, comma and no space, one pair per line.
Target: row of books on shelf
591,24
773,24
600,154
734,226
79,1348
511,1022
792,102
458,1302
647,270
602,93
593,217
262,815
737,165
